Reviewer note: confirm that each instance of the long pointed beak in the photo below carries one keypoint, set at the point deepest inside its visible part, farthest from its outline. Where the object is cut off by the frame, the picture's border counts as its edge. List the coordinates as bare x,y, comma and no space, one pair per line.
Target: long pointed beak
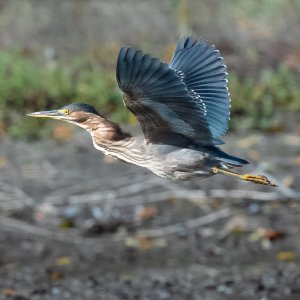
54,114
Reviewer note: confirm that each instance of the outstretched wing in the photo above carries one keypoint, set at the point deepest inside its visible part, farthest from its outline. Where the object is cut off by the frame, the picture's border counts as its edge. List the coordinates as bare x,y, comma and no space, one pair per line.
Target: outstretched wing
204,74
158,96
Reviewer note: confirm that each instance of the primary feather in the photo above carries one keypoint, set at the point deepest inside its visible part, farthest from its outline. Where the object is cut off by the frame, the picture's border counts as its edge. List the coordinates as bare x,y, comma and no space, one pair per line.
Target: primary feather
204,73
186,100
169,100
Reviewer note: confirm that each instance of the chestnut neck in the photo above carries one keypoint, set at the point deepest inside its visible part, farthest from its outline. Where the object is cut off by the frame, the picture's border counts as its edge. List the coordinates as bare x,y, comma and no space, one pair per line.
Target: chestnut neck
105,132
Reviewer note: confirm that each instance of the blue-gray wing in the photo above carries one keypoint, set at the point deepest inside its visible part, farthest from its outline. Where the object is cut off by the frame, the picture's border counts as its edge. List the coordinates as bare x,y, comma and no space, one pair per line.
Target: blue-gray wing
204,73
157,96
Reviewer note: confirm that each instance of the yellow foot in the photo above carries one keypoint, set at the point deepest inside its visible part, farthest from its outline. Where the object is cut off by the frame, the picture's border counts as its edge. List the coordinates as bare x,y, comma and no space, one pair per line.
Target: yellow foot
259,179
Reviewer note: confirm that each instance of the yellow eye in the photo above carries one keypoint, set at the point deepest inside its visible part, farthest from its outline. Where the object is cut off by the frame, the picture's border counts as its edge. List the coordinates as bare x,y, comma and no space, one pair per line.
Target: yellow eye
66,111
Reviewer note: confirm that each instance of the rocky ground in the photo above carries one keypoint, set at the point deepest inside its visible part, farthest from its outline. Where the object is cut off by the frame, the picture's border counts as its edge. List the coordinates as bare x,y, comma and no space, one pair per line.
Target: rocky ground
74,225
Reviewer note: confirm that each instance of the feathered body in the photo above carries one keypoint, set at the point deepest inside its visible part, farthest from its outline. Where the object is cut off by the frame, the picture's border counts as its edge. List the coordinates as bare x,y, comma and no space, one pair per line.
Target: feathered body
183,161
183,108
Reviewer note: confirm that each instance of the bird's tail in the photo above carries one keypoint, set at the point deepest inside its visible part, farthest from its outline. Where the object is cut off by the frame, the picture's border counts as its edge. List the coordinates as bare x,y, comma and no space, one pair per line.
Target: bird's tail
229,161
232,161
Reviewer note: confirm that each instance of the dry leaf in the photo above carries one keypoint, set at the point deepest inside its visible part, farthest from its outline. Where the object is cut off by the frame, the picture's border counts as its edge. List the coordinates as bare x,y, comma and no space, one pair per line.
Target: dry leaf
56,275
145,213
63,261
144,243
276,128
141,243
297,160
237,224
3,161
286,255
268,234
8,292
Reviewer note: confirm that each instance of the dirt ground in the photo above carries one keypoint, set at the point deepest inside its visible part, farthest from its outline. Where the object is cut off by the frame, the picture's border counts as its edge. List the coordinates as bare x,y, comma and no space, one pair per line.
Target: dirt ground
74,225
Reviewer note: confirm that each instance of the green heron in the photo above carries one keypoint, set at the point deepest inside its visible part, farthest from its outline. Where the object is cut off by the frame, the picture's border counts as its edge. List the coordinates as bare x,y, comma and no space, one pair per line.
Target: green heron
183,109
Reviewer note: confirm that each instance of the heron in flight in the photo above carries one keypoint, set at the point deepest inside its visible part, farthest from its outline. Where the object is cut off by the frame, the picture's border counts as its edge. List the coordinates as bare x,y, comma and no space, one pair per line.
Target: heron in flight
182,107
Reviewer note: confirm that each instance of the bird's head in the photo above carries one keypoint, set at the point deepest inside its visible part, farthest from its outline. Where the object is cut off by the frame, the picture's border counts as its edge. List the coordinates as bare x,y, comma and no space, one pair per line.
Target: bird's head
76,113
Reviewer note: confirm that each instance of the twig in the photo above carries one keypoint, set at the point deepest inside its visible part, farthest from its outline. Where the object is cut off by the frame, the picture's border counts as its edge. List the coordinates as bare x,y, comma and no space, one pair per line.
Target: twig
16,193
112,195
123,186
122,200
161,196
190,224
251,195
13,225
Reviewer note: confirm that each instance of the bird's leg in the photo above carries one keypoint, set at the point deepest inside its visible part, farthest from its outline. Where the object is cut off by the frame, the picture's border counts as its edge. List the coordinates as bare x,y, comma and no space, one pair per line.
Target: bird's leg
259,179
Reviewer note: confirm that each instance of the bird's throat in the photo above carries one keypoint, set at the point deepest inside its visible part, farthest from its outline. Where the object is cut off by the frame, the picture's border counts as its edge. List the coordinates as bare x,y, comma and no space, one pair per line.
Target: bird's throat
107,134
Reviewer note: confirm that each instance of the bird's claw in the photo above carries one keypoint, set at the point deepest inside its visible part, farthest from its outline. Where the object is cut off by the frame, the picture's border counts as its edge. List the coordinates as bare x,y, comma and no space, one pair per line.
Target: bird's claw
259,179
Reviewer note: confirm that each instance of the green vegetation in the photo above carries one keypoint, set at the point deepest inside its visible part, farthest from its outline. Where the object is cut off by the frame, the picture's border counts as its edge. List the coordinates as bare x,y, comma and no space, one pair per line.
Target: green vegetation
257,103
28,85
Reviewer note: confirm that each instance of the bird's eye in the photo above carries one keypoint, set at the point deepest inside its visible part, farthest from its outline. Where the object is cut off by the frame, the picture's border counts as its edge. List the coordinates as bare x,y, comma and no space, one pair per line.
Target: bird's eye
66,111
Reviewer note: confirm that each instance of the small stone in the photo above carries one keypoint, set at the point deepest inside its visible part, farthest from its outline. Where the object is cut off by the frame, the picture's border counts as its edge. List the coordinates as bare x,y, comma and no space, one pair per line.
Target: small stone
224,289
253,208
163,295
55,291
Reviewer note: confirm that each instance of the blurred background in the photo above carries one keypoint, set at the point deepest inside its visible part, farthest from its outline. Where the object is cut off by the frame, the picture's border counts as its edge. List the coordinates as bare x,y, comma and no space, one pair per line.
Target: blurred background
74,224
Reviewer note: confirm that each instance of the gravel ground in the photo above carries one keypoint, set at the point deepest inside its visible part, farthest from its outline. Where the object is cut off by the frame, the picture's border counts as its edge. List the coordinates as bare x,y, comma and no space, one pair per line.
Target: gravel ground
70,223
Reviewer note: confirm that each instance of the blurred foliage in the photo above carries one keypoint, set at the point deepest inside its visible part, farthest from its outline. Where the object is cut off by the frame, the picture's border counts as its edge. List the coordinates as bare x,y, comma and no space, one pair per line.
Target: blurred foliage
266,10
257,103
28,85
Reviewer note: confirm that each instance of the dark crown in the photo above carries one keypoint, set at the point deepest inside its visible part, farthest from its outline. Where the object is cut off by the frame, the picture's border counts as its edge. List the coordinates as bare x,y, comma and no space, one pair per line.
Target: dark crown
81,107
